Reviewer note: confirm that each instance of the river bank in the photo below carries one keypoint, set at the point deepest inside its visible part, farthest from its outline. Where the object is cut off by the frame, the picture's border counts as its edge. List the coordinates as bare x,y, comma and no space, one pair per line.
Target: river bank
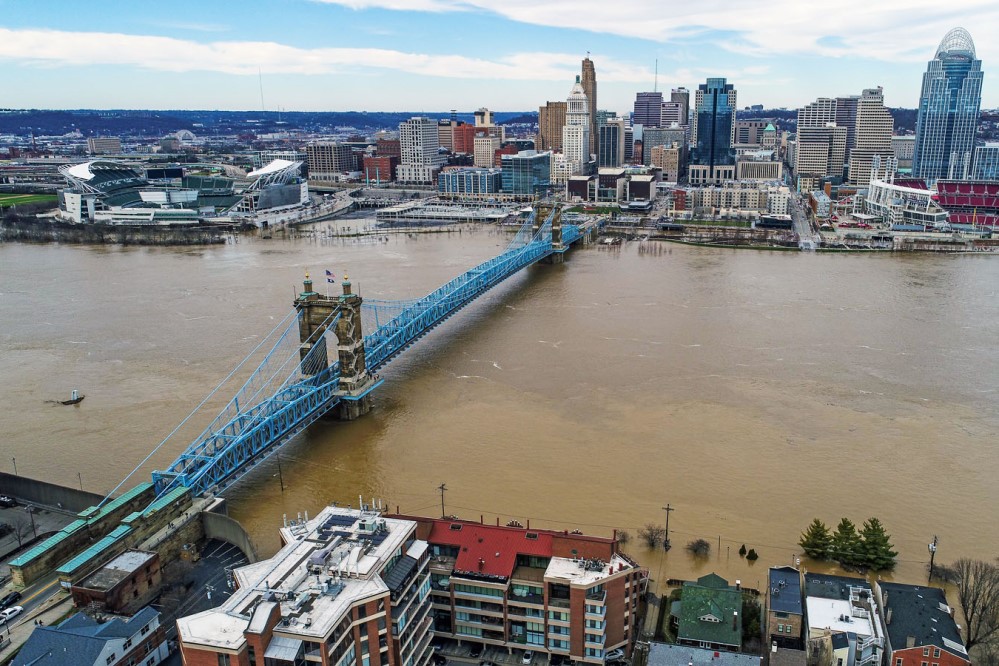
32,230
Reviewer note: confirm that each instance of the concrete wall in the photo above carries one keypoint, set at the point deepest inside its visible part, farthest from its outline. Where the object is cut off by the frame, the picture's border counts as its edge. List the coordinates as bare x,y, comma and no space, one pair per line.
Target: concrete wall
49,494
224,528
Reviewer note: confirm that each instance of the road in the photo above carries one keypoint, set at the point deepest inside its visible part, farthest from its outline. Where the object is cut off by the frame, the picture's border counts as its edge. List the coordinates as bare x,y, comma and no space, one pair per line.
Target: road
802,226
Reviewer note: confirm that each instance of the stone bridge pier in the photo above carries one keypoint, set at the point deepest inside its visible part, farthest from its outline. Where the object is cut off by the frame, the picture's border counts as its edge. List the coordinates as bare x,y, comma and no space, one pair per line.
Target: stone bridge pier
318,311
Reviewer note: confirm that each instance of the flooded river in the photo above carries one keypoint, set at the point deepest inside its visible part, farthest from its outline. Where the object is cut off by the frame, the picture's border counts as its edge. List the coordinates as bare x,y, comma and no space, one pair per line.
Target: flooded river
751,390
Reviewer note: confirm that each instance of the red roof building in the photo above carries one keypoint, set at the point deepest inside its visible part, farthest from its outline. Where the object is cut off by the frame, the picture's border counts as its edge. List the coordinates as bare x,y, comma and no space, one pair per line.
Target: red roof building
558,593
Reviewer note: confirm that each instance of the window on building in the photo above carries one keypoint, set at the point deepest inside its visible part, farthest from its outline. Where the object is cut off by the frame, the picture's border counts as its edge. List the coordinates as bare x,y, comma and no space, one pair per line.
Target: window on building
252,653
127,644
898,661
224,660
110,659
144,630
926,651
936,653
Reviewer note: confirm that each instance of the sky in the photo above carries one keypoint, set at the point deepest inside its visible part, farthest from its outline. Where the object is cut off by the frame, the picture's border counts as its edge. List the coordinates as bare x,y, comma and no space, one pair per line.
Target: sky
435,55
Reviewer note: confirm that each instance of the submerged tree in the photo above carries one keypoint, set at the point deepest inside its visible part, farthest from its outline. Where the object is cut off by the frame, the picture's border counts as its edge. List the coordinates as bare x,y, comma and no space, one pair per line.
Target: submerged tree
816,540
876,548
699,548
653,535
846,544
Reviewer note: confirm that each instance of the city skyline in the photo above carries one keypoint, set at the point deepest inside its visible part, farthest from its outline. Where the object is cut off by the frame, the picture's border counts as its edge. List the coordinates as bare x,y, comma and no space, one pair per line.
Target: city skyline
387,55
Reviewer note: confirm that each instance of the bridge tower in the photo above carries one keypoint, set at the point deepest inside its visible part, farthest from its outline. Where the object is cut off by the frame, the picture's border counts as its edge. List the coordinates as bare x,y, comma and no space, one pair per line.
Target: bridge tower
558,248
355,381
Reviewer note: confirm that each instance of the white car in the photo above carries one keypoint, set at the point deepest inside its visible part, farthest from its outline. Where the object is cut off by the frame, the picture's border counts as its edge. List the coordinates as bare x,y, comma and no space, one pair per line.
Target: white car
528,657
10,613
614,655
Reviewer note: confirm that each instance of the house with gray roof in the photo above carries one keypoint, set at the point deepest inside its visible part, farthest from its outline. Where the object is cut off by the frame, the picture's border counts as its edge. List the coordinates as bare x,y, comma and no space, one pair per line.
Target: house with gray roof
83,641
920,626
785,608
707,615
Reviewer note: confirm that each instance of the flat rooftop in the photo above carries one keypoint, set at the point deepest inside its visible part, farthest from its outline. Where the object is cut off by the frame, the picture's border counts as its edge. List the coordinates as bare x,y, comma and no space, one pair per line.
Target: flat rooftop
329,563
117,570
839,616
582,572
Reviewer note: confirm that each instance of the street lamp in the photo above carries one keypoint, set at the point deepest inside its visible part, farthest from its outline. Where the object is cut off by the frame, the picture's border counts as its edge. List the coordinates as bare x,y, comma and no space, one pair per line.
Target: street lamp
31,514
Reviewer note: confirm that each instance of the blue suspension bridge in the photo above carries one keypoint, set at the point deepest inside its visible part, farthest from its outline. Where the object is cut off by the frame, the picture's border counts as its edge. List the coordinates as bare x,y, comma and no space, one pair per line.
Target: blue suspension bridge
296,382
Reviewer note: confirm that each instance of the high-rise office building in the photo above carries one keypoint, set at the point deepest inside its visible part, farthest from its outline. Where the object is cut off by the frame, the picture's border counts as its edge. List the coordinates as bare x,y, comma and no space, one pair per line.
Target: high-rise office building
527,173
671,114
589,82
610,144
484,149
820,149
986,162
551,120
871,135
713,132
682,97
948,110
648,109
419,147
329,160
576,133
846,116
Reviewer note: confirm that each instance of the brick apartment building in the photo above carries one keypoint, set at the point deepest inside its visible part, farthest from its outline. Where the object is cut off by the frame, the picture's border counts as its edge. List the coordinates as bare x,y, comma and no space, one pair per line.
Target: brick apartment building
557,593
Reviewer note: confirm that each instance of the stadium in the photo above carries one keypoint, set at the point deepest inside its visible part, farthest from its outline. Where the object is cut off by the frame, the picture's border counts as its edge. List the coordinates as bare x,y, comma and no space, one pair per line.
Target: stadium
122,193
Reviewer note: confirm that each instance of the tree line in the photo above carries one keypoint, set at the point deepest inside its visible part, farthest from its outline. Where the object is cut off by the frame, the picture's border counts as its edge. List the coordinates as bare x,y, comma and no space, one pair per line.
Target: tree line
869,547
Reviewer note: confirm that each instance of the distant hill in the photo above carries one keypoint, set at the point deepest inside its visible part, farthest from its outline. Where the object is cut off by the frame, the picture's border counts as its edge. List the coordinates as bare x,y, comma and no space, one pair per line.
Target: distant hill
158,123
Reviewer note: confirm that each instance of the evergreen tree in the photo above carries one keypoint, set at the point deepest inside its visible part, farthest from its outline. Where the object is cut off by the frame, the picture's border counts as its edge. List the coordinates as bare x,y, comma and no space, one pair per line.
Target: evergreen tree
876,547
816,540
742,550
846,544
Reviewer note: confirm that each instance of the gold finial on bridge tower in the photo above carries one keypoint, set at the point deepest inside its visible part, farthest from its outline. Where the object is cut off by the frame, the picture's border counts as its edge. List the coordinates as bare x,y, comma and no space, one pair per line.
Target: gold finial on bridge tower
346,285
306,285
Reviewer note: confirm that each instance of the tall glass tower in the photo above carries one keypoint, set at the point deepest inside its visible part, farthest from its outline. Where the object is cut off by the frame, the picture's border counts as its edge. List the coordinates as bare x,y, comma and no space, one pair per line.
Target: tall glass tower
714,123
948,110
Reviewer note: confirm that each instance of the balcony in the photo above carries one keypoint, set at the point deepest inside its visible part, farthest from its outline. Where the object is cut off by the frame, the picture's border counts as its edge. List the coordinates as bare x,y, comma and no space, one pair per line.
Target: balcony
554,602
596,597
532,599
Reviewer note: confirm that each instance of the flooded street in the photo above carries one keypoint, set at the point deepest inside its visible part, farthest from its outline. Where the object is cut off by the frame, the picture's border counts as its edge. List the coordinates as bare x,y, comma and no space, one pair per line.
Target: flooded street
751,390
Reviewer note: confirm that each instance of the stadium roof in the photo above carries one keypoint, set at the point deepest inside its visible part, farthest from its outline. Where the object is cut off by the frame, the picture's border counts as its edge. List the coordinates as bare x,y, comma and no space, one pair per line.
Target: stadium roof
275,166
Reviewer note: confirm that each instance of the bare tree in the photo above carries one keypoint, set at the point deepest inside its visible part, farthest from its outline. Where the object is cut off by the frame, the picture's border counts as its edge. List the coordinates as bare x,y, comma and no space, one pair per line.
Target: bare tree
699,548
978,594
653,535
21,526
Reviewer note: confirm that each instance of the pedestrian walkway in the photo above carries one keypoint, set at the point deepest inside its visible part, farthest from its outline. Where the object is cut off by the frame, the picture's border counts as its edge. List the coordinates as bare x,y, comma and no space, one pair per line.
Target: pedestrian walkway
49,612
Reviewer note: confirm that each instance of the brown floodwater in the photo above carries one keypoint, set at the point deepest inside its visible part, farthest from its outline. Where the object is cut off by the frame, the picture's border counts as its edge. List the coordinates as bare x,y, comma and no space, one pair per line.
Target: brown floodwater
751,390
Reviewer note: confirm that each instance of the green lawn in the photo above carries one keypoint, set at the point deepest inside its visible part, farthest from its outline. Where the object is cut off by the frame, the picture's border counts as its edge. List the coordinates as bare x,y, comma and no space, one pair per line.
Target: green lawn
594,210
21,199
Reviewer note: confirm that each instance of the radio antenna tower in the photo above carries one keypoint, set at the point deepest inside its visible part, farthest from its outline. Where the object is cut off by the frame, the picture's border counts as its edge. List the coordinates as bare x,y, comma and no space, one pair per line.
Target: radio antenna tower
260,78
655,86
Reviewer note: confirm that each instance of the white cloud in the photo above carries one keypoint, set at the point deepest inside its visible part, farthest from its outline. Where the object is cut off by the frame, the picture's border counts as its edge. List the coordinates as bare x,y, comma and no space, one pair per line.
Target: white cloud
891,30
51,47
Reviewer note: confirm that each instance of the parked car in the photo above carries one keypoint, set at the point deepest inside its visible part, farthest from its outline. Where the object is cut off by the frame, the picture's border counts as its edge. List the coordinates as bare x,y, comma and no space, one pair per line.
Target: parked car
10,600
9,614
528,657
439,660
614,655
7,501
476,651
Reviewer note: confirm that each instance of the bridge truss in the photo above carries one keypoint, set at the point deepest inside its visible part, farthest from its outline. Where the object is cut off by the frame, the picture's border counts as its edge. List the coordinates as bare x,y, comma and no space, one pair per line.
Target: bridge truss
294,384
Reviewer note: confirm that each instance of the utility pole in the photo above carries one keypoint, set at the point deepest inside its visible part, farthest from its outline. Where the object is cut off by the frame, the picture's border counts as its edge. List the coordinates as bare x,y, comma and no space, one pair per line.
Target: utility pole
280,475
443,489
668,509
14,460
80,477
933,552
